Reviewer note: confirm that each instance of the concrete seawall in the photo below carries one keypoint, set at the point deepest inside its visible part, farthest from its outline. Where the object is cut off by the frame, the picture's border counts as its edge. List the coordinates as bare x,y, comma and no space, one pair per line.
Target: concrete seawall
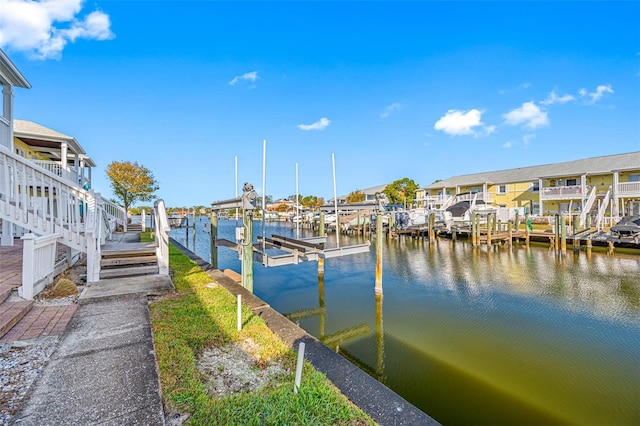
383,405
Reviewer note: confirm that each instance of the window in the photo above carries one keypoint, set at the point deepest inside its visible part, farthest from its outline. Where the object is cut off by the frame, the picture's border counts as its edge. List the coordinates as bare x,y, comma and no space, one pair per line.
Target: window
476,189
634,178
535,186
502,189
572,182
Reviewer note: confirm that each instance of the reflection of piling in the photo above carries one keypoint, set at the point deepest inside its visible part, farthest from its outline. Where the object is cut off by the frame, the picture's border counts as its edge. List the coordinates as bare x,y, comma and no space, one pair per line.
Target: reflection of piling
378,253
454,234
379,337
527,231
213,236
322,316
611,248
588,248
576,240
247,252
556,232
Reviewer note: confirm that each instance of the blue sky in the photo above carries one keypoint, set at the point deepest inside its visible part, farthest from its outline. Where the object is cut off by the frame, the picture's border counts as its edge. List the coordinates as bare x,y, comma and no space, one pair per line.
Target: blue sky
425,90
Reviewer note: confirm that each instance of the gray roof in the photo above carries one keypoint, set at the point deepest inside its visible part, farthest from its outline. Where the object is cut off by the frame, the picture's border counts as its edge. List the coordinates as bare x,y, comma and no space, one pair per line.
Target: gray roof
9,74
25,130
589,166
367,191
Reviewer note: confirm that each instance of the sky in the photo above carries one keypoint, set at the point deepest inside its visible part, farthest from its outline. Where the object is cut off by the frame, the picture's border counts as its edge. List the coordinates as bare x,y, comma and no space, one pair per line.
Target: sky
424,90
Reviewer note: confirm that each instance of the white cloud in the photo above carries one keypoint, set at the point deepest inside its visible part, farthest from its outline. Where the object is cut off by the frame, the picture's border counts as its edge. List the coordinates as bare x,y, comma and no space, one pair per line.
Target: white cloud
507,144
318,125
396,106
529,115
459,123
251,76
44,28
554,98
598,94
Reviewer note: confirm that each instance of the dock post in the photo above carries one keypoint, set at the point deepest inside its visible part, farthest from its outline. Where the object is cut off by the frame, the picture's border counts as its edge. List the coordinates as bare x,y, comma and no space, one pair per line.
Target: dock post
563,234
588,221
473,229
454,235
576,240
527,231
489,226
378,253
321,225
516,223
510,236
430,223
213,236
556,227
247,251
611,247
588,248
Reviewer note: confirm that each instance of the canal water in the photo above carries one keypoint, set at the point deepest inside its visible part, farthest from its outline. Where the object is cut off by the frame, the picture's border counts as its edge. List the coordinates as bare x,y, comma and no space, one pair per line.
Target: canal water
470,336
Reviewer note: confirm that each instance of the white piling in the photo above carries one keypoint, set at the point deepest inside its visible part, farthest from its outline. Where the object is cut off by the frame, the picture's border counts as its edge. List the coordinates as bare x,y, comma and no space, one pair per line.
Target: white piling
239,312
299,367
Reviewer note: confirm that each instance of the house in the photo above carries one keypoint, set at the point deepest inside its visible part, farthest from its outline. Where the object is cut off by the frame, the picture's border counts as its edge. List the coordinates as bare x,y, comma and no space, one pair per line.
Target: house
45,190
589,187
369,194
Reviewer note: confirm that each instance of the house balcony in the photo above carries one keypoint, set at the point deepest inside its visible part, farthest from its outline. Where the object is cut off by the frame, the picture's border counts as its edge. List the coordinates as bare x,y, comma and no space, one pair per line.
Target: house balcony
56,168
434,199
573,192
628,190
481,196
4,132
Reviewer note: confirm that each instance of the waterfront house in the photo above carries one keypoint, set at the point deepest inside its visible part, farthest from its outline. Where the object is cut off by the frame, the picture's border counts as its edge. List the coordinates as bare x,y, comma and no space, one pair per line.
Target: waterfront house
369,194
595,188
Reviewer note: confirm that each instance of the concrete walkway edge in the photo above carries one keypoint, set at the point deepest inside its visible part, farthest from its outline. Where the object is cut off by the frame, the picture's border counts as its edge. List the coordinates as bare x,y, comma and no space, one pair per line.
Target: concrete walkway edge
381,403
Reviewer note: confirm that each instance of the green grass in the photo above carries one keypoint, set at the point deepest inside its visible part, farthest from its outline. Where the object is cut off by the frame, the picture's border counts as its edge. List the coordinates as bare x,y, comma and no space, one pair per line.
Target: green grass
199,317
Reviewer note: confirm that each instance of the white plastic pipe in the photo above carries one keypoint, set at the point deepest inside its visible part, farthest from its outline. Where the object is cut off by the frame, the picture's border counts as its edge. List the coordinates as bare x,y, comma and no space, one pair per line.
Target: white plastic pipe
299,367
239,312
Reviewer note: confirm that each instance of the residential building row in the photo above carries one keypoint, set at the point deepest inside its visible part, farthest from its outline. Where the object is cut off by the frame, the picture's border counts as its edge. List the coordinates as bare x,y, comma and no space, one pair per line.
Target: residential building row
605,186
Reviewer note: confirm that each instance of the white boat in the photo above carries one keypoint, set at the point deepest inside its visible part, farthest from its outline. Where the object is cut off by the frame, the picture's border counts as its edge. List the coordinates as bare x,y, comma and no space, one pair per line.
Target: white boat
177,220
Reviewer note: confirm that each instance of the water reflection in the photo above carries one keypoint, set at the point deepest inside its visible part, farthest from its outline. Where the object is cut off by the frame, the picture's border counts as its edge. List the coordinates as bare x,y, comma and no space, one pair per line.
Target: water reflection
499,335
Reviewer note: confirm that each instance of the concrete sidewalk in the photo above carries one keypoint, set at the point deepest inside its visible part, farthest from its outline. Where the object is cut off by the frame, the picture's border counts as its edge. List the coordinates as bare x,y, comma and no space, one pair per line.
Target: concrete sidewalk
104,371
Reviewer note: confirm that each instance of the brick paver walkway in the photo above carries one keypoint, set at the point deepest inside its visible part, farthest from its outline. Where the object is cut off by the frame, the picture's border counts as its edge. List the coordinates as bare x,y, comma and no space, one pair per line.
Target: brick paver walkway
41,321
11,264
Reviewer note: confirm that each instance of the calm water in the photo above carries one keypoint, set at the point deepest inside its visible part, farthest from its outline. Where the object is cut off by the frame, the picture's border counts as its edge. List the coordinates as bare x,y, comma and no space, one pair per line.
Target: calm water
482,336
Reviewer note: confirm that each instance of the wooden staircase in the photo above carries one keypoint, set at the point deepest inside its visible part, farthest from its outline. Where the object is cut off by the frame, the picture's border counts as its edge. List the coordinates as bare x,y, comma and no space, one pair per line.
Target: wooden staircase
129,259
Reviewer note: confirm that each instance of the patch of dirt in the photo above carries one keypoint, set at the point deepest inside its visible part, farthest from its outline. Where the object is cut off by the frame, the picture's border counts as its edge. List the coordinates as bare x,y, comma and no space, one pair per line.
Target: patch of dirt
234,369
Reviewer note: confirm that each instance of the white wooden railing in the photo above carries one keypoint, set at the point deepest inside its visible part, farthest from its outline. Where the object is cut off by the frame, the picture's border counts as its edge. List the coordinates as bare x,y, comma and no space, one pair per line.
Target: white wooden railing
114,212
561,192
56,168
42,202
162,236
602,209
628,189
586,208
484,196
38,263
5,131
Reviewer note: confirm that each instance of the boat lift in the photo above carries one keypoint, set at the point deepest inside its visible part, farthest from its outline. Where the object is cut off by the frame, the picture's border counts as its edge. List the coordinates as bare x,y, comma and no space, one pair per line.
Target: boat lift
295,250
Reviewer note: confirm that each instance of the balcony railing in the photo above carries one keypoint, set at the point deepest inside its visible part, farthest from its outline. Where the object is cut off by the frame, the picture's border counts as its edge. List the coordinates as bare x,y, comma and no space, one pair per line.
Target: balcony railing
572,192
4,132
628,189
481,196
57,169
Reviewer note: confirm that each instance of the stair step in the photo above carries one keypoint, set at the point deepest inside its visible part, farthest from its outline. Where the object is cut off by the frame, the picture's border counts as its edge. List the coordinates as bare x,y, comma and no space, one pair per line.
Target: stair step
11,313
5,291
128,272
128,260
123,252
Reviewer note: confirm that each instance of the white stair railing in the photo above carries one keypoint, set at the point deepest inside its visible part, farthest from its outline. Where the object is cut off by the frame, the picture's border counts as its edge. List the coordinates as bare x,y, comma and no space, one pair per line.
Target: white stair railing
162,236
448,203
602,209
42,202
115,212
586,209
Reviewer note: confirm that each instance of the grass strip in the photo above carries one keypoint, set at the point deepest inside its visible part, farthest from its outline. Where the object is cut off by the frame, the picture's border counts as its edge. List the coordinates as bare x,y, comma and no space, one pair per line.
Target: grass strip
200,316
